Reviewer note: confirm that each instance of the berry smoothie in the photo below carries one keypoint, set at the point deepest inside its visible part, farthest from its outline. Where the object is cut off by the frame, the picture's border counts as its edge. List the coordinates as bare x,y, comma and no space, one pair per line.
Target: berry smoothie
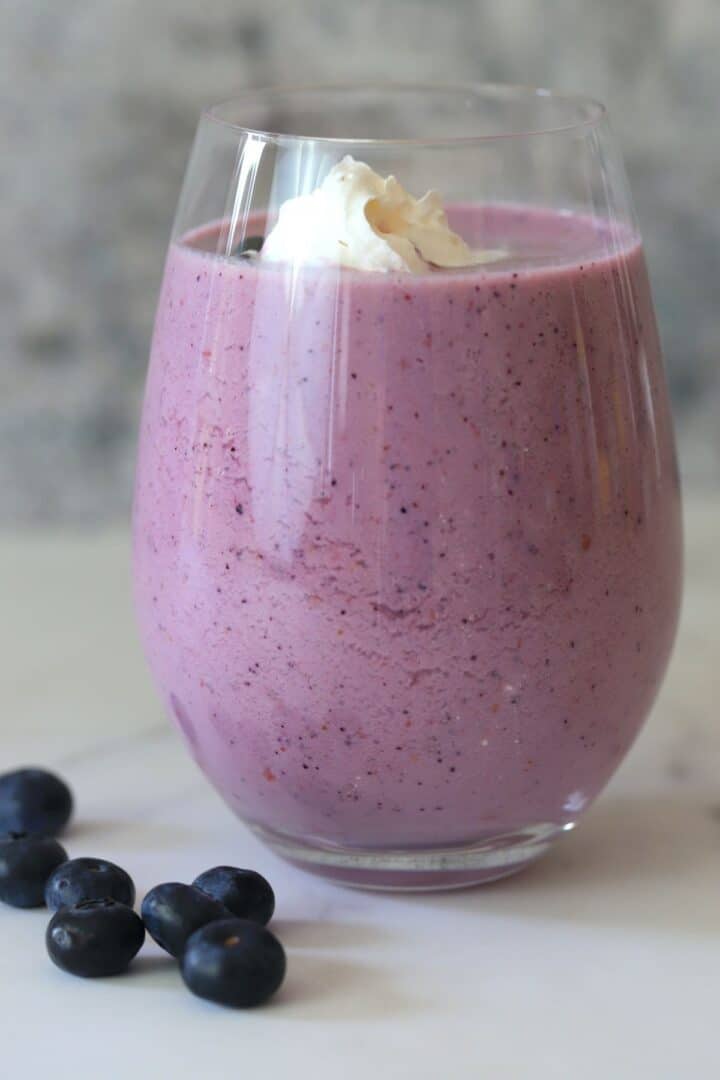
407,546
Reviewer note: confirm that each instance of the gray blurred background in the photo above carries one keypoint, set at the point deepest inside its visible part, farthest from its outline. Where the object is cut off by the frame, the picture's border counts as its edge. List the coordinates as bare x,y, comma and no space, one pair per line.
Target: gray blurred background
99,103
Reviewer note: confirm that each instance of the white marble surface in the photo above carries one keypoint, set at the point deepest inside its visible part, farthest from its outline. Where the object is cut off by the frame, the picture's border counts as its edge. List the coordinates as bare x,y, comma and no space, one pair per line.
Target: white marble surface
600,962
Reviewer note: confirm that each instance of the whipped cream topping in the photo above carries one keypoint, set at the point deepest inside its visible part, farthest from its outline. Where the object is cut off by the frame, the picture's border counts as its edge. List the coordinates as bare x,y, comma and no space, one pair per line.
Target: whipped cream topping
359,219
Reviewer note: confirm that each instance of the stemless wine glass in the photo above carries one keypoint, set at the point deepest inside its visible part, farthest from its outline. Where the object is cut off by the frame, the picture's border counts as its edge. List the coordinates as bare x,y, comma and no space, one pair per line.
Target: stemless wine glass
407,546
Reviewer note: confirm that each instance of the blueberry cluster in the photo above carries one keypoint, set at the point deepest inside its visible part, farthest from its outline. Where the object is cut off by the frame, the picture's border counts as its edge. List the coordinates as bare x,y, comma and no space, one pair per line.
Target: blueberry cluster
216,927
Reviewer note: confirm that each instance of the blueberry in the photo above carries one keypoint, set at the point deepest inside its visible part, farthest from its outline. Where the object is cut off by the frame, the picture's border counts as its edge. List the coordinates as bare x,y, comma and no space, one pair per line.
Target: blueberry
243,892
26,863
234,962
172,912
94,938
88,879
34,801
250,243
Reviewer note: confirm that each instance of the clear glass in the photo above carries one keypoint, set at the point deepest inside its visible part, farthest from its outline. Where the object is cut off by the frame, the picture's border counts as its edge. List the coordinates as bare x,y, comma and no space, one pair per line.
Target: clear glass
407,546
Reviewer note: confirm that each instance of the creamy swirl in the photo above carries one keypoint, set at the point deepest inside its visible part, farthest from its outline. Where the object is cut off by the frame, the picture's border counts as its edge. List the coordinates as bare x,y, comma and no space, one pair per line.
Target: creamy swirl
357,218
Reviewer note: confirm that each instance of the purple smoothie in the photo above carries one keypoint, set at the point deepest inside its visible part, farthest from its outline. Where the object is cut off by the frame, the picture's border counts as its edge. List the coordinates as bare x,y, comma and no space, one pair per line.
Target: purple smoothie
407,548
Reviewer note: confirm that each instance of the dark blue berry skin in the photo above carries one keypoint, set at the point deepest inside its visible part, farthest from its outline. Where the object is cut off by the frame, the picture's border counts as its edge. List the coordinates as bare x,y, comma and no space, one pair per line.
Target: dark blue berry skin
88,879
235,962
95,938
34,801
243,892
250,243
172,912
26,862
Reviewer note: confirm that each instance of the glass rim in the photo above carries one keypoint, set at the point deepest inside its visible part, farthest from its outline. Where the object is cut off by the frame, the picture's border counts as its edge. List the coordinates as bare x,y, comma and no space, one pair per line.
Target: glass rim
589,112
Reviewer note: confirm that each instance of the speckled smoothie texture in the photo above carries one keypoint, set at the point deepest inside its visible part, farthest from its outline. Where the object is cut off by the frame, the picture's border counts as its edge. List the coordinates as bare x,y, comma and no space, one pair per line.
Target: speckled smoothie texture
407,548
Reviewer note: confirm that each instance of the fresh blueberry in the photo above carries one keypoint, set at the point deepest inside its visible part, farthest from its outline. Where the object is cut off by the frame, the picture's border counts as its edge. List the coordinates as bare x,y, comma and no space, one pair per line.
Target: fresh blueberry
250,243
26,863
234,962
172,912
243,892
88,879
34,801
94,938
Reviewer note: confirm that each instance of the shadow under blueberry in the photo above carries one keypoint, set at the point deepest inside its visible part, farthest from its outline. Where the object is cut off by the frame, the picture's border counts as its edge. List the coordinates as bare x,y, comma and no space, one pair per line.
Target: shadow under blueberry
154,964
149,972
642,864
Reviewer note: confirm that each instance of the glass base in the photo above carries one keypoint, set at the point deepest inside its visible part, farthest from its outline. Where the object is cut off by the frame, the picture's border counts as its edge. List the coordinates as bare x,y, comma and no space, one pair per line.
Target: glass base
418,869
